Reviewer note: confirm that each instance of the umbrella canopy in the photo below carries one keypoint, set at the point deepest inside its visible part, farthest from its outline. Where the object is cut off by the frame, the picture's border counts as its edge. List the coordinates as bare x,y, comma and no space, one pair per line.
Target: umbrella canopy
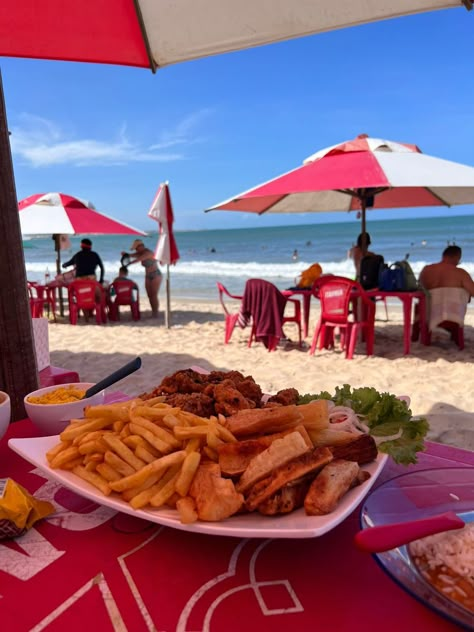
154,33
359,174
166,250
162,211
58,213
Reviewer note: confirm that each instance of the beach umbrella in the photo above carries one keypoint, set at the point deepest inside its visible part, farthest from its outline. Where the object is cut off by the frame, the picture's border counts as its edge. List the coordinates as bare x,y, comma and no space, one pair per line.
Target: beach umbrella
156,33
364,173
166,251
143,33
59,214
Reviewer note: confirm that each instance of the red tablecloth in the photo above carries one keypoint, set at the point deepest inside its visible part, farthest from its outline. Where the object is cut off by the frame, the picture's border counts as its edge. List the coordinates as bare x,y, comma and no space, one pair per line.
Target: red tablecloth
88,568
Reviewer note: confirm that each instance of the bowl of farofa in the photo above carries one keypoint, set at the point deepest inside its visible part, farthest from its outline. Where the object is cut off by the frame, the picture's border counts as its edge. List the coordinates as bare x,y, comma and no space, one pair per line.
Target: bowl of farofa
52,408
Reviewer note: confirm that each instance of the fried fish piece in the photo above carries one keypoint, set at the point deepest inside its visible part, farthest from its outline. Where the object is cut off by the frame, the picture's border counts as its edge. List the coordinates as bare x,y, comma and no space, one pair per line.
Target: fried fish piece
279,452
235,457
216,498
287,473
329,487
286,499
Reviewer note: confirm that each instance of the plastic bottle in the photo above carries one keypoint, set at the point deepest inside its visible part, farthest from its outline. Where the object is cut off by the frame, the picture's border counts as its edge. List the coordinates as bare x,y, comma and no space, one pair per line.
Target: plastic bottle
46,276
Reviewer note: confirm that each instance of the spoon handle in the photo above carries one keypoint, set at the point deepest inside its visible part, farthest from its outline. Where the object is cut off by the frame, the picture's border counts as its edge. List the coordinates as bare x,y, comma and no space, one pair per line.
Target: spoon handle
125,370
389,536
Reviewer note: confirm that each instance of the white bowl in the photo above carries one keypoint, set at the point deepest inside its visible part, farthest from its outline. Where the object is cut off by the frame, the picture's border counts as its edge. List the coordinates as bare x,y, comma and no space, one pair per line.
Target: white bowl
5,413
51,419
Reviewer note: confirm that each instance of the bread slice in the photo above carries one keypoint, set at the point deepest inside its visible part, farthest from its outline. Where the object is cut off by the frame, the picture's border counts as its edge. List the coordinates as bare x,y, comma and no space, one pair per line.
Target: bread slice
279,452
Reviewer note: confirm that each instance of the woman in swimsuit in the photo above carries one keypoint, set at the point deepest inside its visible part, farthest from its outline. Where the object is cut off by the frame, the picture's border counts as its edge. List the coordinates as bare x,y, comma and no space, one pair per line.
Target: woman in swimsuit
152,272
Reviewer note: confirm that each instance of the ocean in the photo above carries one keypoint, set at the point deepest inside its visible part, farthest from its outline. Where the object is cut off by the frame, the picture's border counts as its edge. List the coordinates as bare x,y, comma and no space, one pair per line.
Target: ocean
233,256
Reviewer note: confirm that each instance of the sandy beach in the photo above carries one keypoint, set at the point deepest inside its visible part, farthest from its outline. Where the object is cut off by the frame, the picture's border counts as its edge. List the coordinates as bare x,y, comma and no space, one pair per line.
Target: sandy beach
438,378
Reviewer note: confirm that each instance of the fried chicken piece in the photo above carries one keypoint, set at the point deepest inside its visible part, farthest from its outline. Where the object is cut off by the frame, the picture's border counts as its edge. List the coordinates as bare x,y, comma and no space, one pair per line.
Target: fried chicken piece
285,397
215,497
196,403
185,381
250,390
229,400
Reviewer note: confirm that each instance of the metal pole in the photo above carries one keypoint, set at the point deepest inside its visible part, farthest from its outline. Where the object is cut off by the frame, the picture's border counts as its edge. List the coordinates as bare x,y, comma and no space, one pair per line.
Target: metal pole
18,372
168,307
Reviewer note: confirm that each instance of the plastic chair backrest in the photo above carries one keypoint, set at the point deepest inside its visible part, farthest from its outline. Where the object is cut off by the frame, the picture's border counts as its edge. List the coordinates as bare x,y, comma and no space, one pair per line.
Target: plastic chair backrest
224,291
334,294
83,293
123,292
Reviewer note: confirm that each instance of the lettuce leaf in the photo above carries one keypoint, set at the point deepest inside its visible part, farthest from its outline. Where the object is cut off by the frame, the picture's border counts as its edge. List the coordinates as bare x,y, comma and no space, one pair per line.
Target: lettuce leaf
386,416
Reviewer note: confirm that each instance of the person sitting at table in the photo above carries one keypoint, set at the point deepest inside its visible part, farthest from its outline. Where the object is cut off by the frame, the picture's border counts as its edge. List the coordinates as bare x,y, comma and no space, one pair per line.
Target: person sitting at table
360,250
86,262
450,288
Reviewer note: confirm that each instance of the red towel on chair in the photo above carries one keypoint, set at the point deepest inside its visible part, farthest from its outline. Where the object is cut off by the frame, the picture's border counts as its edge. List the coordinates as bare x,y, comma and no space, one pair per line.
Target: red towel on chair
265,304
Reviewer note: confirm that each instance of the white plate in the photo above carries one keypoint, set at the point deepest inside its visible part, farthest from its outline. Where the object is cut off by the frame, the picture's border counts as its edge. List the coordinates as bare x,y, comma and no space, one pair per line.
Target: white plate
294,525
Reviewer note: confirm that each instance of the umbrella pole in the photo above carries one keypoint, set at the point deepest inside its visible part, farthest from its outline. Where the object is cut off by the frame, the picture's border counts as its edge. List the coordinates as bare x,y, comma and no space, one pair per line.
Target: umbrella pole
168,308
363,224
18,371
57,247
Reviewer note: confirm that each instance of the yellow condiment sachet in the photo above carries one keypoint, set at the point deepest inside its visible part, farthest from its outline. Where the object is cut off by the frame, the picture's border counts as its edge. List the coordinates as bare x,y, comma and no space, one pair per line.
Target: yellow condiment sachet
19,510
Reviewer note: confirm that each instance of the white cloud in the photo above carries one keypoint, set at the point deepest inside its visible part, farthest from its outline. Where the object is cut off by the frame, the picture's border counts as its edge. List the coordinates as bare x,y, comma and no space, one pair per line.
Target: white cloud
39,142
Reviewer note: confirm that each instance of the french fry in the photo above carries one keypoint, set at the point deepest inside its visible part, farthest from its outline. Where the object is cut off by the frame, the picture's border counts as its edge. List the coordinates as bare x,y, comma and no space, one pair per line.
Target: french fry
160,433
64,456
165,492
91,466
225,434
137,478
71,432
118,426
153,401
88,436
125,432
193,445
93,478
157,412
128,494
108,472
118,464
157,443
186,475
97,445
190,432
187,510
144,455
62,445
123,452
213,440
95,457
111,412
211,454
170,421
70,465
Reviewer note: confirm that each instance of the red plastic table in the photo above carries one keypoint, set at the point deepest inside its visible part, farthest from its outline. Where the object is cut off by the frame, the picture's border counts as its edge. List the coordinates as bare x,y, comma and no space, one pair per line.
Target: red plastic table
407,299
89,568
306,296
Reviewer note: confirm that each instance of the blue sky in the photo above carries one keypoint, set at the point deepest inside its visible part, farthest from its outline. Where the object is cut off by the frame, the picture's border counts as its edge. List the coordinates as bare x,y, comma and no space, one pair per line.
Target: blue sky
220,125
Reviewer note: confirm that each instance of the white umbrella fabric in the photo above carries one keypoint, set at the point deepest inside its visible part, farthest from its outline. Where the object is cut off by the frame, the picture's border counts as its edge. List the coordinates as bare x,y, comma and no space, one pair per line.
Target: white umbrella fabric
166,251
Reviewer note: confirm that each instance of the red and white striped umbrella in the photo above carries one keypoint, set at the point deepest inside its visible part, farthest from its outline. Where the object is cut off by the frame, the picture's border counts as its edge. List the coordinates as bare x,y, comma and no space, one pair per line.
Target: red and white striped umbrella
57,213
156,33
355,175
162,211
166,251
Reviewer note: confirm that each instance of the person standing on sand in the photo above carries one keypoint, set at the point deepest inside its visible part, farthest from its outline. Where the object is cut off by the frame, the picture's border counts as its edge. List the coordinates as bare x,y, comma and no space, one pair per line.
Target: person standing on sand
152,272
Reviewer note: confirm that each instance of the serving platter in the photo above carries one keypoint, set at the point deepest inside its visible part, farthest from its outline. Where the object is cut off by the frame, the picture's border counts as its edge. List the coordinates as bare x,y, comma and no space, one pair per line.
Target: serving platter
253,525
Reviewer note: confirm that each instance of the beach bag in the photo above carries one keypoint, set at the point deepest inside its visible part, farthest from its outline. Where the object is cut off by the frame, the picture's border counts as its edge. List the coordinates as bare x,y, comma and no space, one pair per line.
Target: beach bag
392,278
370,269
309,276
399,277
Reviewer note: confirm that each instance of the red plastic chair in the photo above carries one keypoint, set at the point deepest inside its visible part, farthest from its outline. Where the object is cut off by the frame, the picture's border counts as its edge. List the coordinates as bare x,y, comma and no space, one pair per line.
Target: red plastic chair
89,296
337,294
230,317
36,303
123,292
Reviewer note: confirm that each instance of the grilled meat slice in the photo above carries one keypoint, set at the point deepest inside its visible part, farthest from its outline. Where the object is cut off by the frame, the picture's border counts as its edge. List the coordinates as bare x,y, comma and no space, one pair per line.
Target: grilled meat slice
287,473
264,420
362,450
329,487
